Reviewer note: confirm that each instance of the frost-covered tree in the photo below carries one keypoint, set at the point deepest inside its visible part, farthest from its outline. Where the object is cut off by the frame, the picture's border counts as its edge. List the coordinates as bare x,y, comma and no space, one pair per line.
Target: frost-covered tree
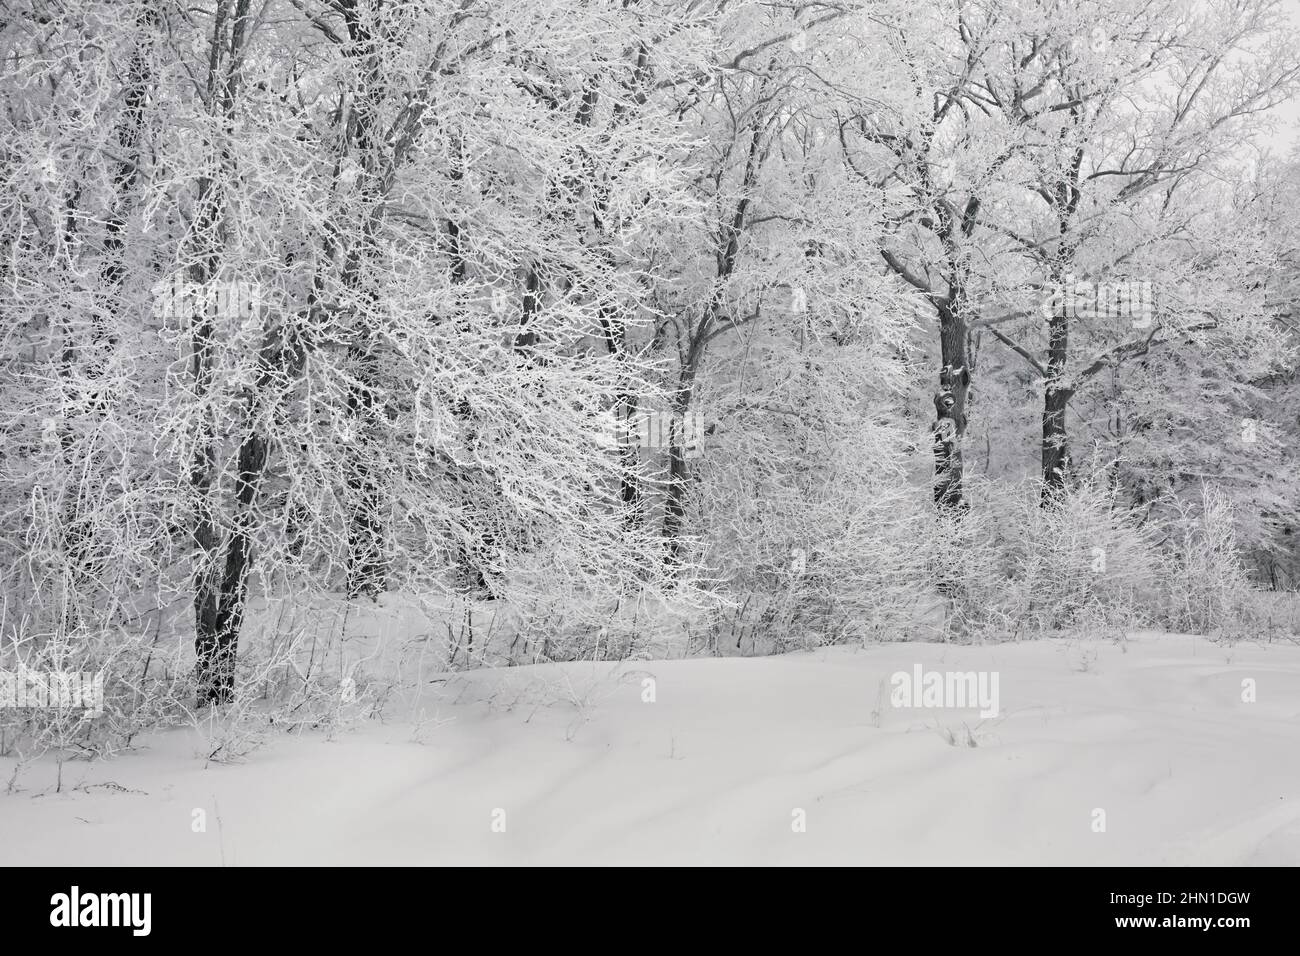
329,302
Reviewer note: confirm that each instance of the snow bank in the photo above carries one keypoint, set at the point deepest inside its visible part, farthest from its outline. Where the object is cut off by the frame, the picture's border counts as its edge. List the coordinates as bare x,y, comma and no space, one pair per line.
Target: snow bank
574,763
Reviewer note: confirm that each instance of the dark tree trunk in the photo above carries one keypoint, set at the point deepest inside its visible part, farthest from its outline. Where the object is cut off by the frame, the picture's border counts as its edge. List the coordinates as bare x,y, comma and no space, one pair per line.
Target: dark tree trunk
203,471
612,327
1056,399
625,410
214,639
470,568
1056,449
367,572
950,408
629,491
678,471
224,609
675,503
367,564
1056,395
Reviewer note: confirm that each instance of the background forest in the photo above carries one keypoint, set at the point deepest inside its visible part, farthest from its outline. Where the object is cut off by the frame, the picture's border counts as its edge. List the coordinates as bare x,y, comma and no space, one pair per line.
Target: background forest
347,341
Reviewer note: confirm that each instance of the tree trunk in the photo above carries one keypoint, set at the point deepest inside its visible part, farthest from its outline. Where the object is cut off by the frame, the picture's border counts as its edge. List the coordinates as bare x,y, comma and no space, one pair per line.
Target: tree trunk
216,633
225,607
470,568
950,407
367,559
1056,450
675,502
367,569
1056,398
678,473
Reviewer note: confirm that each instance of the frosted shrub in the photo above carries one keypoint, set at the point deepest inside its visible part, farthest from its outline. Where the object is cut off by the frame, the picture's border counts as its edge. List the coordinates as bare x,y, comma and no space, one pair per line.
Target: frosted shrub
807,522
1013,567
1080,553
1208,590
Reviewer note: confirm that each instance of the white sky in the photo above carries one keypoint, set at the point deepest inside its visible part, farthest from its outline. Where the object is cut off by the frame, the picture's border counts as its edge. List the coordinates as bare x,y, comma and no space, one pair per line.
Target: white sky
1289,137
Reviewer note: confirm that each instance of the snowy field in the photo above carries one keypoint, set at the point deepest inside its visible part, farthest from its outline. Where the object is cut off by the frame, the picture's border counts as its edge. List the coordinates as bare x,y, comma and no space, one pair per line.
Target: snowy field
574,764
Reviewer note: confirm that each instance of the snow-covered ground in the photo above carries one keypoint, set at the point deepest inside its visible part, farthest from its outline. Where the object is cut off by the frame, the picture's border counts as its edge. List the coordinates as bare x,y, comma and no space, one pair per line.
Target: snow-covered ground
574,764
